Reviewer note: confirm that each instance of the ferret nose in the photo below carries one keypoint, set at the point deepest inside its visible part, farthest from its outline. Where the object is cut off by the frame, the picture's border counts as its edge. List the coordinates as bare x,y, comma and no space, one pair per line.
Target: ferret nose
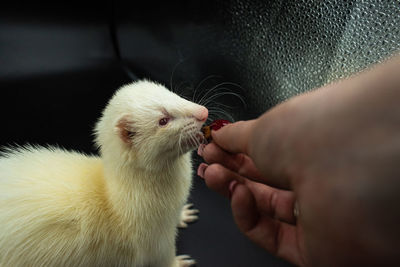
201,114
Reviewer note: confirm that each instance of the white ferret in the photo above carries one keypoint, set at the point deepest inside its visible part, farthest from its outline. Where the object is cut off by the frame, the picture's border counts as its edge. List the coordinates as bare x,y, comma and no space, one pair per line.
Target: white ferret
60,208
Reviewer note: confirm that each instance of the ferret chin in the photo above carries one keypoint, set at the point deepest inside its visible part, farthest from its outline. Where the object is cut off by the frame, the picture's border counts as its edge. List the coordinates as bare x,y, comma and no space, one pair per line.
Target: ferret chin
60,208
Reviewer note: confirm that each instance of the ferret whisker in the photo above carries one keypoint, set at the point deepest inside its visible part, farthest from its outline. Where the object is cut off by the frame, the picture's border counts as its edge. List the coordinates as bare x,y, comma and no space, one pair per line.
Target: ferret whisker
196,141
215,90
178,89
172,75
224,94
221,108
209,119
200,84
214,104
210,91
212,111
218,104
217,87
192,138
231,83
221,112
180,152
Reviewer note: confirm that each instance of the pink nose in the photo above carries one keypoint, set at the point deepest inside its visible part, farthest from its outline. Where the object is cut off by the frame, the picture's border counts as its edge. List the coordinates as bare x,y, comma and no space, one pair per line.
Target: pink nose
201,114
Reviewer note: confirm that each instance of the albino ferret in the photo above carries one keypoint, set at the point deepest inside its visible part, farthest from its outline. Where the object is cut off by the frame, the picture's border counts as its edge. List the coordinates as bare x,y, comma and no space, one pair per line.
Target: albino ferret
60,208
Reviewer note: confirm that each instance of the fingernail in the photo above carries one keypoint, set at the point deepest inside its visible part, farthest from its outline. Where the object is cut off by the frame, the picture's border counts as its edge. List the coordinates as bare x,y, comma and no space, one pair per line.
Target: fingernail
201,169
200,150
232,186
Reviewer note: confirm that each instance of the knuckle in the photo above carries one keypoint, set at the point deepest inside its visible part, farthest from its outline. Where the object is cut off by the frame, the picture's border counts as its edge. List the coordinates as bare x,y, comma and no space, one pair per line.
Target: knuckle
217,177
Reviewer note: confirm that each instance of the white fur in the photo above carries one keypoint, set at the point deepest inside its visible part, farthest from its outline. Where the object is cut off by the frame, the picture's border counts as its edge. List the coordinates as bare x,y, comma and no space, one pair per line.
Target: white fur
60,208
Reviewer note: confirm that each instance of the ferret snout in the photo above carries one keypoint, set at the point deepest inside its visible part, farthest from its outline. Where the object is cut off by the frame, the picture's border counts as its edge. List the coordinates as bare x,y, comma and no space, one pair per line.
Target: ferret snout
201,114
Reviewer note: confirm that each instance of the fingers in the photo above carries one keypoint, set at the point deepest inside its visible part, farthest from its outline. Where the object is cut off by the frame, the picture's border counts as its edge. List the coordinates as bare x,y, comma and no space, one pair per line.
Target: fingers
218,178
274,236
263,140
239,163
277,204
244,208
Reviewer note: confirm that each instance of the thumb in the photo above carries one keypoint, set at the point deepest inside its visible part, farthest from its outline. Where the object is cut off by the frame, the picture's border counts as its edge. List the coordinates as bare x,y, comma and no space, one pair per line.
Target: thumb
234,137
259,139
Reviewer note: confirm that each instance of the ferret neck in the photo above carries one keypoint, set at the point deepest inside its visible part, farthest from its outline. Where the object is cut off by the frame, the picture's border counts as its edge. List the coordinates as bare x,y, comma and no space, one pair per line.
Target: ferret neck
127,168
126,183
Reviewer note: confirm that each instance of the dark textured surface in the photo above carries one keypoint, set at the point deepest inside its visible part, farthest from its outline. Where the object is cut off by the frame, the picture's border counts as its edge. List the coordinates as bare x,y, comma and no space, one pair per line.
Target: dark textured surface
59,67
273,49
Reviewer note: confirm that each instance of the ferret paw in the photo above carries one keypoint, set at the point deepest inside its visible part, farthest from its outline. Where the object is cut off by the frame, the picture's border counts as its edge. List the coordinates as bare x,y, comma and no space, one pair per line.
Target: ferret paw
184,261
188,215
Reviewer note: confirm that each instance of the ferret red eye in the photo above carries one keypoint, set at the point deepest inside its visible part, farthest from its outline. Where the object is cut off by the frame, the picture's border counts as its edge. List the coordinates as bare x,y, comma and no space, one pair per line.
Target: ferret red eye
163,121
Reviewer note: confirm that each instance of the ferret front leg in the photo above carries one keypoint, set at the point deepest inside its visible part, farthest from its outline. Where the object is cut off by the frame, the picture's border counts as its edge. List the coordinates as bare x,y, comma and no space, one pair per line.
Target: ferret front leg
183,261
188,215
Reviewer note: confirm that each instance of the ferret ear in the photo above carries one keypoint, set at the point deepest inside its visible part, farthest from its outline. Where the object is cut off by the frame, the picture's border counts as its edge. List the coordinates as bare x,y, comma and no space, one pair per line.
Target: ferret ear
125,129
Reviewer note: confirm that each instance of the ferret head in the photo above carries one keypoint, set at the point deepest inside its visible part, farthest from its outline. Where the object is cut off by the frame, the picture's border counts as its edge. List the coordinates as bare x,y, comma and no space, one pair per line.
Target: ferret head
146,124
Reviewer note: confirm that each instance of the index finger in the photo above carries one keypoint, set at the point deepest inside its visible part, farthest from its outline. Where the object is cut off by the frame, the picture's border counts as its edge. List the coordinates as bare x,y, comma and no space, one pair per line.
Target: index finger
239,163
234,137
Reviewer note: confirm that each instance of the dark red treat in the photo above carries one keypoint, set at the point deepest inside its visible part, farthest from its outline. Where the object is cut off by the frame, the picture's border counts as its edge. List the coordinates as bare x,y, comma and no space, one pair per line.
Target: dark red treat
215,125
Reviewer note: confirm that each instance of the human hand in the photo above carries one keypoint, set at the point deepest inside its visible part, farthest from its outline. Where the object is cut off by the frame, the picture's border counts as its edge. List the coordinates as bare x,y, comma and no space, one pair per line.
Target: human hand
263,213
335,153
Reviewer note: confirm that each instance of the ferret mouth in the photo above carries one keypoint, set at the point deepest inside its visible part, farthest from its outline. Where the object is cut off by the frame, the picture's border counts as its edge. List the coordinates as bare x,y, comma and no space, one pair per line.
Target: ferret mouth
193,141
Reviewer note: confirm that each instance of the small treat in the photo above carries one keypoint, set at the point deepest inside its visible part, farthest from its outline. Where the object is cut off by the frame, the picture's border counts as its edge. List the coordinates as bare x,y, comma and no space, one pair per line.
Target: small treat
215,125
207,132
